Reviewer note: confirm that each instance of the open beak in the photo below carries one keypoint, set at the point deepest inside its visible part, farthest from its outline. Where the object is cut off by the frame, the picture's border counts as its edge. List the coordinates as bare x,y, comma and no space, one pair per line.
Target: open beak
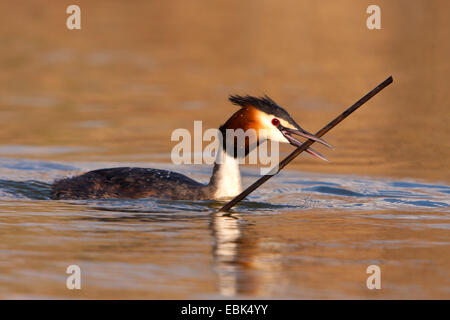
288,132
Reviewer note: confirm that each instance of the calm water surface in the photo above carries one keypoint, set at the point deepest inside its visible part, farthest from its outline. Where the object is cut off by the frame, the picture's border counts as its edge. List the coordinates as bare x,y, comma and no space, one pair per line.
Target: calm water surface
300,236
112,93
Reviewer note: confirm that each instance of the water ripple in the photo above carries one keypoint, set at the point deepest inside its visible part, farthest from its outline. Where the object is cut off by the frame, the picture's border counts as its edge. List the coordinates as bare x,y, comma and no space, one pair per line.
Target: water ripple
287,191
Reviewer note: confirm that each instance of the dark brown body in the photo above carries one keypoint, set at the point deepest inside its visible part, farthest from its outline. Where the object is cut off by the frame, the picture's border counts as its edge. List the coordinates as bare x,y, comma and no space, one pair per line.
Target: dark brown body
131,183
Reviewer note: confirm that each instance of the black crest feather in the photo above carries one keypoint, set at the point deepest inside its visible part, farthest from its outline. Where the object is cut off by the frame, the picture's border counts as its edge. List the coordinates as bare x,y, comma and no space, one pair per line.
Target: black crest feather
264,104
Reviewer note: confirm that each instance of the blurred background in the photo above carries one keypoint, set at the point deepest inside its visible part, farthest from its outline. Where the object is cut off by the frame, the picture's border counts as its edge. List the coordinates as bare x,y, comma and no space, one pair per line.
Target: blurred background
111,94
116,89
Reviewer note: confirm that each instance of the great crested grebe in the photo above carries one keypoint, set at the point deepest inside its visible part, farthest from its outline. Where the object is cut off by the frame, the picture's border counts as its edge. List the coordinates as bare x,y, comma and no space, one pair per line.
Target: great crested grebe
132,183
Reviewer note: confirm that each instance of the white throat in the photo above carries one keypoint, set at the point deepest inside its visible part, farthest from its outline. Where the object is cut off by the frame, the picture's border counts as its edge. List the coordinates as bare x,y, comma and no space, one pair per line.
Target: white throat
226,178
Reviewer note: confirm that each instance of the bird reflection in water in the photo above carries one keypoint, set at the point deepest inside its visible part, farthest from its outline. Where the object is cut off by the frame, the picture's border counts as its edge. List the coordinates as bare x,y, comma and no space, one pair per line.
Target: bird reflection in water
243,263
226,233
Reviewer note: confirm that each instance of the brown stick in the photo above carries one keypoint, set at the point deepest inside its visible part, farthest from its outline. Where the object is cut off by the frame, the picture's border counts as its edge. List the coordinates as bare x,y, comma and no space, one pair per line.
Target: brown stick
307,144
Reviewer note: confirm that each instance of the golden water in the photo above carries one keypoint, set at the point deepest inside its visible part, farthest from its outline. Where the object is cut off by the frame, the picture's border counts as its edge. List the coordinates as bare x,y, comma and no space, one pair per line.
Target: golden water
111,94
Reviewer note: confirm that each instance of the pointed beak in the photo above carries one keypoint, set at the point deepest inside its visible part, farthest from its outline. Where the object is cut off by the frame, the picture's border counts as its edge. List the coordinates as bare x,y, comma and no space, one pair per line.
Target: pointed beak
288,132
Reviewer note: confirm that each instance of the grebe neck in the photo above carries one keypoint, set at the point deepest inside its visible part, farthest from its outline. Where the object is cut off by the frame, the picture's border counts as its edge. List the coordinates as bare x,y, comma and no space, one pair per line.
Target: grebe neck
226,177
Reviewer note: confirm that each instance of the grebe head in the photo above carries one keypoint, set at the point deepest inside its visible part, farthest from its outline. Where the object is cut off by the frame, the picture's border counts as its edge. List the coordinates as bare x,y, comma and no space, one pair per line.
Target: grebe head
264,113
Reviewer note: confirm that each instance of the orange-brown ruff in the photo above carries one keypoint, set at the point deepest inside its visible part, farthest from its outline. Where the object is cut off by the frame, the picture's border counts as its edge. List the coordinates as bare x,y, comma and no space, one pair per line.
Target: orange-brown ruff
225,182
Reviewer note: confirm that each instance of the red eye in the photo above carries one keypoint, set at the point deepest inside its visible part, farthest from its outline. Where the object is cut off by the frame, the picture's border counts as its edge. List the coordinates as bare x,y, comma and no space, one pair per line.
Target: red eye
275,121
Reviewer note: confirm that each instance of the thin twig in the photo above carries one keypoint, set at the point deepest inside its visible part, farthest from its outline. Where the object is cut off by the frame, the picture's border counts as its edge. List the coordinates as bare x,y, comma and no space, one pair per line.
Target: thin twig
307,144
